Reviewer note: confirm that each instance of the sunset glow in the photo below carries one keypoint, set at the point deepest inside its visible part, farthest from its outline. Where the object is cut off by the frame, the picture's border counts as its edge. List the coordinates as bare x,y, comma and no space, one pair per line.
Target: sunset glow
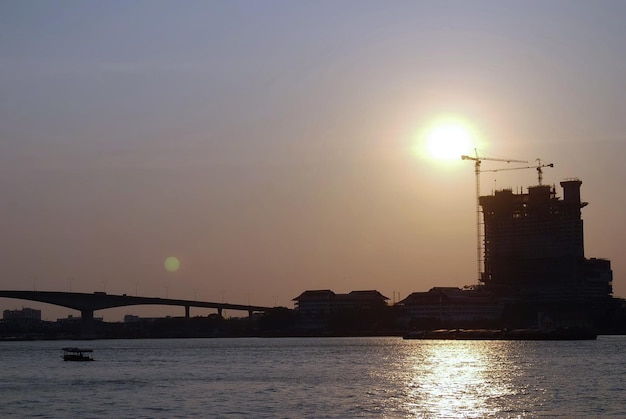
281,147
448,141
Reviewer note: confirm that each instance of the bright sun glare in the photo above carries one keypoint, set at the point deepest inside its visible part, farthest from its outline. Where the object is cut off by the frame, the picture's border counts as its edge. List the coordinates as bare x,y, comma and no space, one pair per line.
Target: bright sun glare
448,141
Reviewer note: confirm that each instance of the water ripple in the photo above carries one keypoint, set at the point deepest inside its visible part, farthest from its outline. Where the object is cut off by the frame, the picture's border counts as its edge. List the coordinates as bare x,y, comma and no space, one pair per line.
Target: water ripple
330,378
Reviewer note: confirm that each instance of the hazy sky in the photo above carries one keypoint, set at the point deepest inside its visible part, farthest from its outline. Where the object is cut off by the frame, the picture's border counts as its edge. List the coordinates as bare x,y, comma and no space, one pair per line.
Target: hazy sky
275,146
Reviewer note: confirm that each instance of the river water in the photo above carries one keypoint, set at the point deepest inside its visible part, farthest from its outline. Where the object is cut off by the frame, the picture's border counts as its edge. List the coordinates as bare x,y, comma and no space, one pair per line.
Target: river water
315,377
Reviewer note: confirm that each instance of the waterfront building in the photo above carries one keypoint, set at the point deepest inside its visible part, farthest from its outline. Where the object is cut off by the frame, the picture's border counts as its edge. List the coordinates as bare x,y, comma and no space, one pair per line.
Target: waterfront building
315,307
534,247
451,307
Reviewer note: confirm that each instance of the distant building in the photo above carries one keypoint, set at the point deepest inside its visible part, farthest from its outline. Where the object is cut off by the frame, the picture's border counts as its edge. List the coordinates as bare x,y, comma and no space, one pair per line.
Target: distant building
534,249
315,307
451,307
25,314
73,319
131,318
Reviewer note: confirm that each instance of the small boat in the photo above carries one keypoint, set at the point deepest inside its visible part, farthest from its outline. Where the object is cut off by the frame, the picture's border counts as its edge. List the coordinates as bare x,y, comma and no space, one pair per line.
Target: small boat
77,354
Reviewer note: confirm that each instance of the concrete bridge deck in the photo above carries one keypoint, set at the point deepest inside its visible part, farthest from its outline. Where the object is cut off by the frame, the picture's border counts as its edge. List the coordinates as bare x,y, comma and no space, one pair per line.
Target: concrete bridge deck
88,303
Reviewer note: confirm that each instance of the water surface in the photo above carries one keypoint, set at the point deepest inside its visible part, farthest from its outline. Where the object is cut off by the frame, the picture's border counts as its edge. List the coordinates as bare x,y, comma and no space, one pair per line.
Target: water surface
315,377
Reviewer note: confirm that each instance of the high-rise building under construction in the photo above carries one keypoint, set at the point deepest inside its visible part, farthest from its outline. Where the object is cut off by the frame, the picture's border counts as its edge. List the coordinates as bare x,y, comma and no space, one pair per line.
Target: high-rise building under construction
534,248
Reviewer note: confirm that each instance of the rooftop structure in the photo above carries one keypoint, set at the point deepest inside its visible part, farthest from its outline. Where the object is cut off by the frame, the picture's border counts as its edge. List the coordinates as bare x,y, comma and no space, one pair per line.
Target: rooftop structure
328,300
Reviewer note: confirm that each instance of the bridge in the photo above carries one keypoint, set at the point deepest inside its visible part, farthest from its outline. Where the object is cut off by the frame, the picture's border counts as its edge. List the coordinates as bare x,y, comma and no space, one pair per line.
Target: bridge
88,303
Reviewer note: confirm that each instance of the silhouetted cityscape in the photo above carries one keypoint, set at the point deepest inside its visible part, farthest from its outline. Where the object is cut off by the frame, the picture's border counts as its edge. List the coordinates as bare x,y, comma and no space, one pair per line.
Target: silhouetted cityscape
535,275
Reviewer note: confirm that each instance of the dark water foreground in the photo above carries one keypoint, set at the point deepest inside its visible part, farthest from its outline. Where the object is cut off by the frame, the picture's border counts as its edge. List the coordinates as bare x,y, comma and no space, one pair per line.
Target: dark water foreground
316,377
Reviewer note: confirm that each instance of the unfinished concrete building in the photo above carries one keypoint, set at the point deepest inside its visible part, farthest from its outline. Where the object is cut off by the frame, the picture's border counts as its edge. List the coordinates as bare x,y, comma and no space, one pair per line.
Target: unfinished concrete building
534,248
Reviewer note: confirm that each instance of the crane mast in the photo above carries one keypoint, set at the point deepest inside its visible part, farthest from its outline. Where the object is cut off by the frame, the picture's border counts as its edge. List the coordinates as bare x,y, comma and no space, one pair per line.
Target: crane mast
477,164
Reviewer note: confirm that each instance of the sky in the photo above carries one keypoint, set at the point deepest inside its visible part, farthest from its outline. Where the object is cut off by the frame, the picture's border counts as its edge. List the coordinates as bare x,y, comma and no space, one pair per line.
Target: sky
274,147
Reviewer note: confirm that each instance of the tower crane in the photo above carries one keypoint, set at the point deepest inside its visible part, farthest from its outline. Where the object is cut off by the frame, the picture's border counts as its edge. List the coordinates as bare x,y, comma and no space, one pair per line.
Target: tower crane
477,162
539,166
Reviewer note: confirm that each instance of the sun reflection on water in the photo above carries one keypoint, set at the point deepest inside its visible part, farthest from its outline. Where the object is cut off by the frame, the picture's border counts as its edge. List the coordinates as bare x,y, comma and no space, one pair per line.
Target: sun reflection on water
457,378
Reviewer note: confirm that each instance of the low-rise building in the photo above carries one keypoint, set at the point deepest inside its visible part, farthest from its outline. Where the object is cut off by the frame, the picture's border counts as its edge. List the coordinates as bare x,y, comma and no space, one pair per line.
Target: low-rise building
451,307
315,307
25,314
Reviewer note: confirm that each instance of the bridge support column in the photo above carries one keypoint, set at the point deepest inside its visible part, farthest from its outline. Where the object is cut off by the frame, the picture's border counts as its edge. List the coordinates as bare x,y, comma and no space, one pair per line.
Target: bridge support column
87,324
186,312
219,311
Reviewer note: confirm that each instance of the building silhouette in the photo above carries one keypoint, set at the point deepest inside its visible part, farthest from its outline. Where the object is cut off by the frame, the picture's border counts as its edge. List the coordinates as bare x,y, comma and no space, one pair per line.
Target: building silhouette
534,247
315,308
451,307
535,271
25,314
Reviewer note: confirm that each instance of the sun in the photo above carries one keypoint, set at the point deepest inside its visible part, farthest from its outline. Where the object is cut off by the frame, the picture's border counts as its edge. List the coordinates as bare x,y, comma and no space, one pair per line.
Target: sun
448,141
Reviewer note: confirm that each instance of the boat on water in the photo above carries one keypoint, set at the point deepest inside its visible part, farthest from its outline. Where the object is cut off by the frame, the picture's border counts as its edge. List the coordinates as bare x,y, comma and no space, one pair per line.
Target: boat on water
504,334
77,354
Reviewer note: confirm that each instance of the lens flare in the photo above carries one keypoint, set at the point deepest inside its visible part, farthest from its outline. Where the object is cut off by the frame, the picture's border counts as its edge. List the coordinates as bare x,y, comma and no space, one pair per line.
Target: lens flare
171,264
